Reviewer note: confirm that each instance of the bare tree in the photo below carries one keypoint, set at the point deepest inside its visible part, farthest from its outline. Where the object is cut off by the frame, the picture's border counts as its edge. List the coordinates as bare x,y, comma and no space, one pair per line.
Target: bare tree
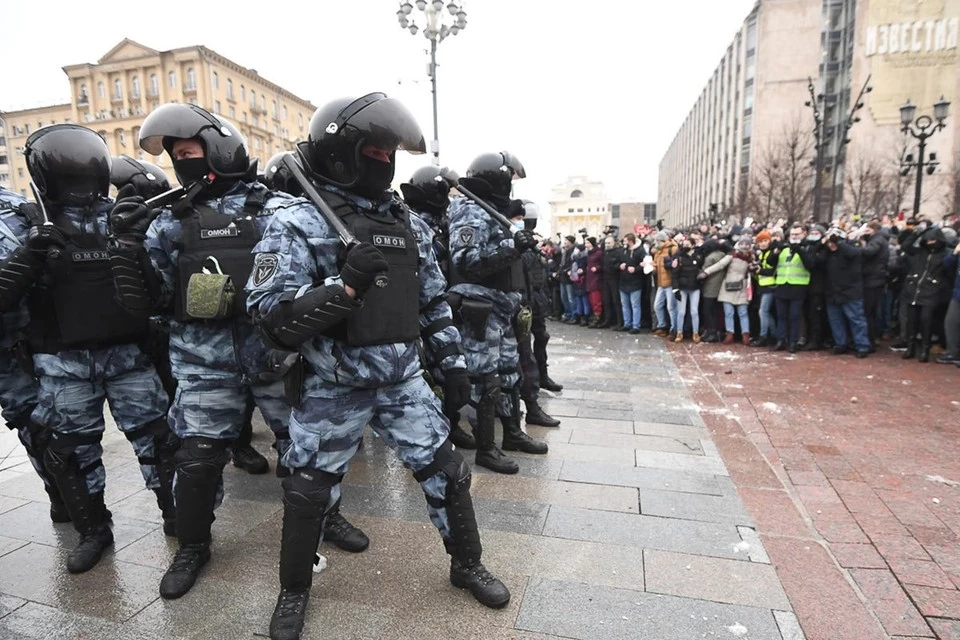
864,179
782,179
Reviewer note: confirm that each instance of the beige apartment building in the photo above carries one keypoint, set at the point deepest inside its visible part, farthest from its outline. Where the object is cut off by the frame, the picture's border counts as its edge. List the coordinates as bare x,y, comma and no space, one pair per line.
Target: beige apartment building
579,203
114,95
754,106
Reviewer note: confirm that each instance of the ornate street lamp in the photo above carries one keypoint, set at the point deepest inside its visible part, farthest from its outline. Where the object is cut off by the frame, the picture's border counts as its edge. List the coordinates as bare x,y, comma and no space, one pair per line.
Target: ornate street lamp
922,128
436,25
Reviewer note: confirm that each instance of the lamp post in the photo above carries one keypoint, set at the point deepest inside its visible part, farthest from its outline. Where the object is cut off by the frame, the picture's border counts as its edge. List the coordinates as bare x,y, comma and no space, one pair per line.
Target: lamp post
820,138
844,140
922,128
436,30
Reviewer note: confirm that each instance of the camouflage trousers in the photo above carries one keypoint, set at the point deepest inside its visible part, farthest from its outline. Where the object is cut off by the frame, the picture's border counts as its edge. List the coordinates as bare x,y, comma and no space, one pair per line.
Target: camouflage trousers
326,430
18,399
73,388
495,352
215,407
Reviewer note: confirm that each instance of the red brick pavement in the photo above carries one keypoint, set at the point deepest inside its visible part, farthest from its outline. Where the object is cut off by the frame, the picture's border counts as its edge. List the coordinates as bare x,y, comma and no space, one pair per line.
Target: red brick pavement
849,469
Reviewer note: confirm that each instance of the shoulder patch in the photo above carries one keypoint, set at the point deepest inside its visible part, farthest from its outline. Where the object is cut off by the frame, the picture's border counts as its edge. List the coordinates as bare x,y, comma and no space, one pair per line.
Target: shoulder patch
265,268
466,235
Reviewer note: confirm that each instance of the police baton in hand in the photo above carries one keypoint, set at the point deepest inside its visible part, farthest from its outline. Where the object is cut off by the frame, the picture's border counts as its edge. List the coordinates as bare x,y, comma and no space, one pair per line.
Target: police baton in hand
53,253
496,215
329,215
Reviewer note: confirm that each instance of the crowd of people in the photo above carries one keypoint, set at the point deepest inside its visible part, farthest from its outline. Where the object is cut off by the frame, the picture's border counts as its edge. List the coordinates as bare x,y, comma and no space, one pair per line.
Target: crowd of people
800,286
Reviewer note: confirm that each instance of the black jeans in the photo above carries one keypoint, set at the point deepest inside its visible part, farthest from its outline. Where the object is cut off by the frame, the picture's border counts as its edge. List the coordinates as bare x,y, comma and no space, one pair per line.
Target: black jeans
922,316
612,311
710,319
788,313
816,318
871,307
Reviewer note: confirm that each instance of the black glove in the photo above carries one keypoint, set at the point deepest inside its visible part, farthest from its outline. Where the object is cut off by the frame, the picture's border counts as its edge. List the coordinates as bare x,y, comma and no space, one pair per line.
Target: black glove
46,239
456,389
364,263
677,295
130,216
524,239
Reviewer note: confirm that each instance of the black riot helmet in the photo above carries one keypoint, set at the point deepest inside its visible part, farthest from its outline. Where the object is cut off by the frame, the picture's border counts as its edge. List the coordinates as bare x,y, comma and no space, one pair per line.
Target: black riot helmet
531,213
278,178
429,188
225,148
147,178
69,164
343,129
498,170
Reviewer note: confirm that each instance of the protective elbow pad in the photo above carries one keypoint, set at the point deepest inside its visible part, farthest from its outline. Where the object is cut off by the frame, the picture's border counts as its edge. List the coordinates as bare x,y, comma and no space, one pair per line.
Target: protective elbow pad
17,275
137,285
296,320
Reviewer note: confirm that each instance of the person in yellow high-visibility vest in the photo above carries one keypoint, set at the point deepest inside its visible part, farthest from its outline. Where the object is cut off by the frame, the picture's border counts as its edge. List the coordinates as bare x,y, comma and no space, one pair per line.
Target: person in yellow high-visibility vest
792,277
765,281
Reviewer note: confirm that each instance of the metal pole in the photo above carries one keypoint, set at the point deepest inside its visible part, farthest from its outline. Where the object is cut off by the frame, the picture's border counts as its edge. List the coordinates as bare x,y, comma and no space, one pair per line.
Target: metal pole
818,180
916,196
433,79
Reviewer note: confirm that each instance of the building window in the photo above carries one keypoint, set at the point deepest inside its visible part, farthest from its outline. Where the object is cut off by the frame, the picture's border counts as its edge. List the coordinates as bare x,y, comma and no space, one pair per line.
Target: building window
300,120
273,105
121,138
256,144
284,113
576,193
154,85
216,106
135,87
214,79
233,113
570,210
243,92
172,79
253,98
579,210
244,117
191,79
101,90
84,98
263,103
229,89
19,172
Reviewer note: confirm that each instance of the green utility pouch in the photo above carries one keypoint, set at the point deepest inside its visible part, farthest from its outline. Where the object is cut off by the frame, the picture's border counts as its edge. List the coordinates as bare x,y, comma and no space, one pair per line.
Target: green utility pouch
210,295
524,321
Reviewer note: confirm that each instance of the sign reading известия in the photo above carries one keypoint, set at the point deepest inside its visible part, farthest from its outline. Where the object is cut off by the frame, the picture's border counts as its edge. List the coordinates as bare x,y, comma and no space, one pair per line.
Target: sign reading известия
920,36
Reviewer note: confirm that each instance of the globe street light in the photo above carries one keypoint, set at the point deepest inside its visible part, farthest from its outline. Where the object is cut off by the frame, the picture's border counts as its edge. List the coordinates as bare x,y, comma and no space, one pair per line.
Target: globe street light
436,26
922,128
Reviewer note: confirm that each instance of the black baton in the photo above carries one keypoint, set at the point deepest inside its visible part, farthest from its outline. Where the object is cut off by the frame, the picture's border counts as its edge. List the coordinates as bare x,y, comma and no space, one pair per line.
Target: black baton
53,253
329,215
496,215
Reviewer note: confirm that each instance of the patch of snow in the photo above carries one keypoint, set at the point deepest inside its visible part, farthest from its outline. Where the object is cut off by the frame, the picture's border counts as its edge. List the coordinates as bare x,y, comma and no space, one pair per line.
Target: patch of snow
771,406
942,480
742,547
734,386
724,355
737,629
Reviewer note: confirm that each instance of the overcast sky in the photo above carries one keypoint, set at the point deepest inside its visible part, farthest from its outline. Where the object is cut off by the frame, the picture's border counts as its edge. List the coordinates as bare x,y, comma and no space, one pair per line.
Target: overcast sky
595,88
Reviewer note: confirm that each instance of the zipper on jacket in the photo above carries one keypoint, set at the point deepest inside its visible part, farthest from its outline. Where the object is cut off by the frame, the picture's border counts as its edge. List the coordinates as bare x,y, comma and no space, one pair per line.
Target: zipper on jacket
926,267
244,380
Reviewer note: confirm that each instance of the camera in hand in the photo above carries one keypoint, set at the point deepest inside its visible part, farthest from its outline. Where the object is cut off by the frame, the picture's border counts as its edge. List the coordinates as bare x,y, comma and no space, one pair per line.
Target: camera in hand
582,231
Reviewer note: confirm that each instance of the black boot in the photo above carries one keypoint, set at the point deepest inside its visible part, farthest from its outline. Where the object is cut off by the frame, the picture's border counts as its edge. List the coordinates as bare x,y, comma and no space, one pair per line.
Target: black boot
250,460
514,439
58,510
779,346
911,351
168,511
304,502
458,436
536,415
339,531
200,463
925,353
89,515
547,383
488,455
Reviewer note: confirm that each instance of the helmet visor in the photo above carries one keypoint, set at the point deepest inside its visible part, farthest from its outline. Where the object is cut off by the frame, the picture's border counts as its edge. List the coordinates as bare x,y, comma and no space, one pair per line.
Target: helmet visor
514,163
176,121
388,125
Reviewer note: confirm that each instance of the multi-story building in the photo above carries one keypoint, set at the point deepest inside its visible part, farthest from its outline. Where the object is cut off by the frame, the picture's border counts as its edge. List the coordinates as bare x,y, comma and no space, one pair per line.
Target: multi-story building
630,216
577,204
114,95
730,150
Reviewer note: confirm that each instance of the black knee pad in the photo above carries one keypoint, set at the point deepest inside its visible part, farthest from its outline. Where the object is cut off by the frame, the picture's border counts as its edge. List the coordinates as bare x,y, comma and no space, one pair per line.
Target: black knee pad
309,489
489,390
60,456
448,461
202,457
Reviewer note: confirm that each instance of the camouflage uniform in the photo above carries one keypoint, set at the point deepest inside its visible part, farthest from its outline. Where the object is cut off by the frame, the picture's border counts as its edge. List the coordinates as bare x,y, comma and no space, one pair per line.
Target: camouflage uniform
75,383
18,389
348,387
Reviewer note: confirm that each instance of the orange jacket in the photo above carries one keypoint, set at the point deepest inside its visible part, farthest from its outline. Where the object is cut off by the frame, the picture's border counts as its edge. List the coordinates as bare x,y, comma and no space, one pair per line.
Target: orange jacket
660,256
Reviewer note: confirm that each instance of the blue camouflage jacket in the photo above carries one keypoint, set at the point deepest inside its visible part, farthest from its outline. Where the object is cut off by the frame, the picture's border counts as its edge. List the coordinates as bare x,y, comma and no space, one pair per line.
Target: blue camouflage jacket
307,250
13,230
474,235
215,349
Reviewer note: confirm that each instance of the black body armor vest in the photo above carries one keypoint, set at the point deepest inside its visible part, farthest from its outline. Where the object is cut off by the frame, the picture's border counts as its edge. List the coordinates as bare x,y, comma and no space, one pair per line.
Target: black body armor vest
391,314
536,269
75,305
219,243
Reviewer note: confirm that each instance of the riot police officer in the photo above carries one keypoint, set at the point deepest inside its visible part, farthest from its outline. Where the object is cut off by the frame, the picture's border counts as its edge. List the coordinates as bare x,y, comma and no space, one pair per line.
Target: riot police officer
18,385
532,337
331,303
428,196
86,347
487,273
192,261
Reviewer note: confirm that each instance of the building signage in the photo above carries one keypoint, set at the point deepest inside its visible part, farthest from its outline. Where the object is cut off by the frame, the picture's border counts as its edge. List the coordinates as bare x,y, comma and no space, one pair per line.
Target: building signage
921,36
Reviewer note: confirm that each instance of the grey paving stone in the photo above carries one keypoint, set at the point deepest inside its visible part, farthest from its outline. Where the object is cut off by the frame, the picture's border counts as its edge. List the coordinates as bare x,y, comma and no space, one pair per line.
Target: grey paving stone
715,579
7,503
681,462
605,413
561,407
682,432
666,415
31,522
112,590
588,612
629,441
594,425
754,545
690,506
598,473
35,621
546,467
10,544
9,604
789,625
590,453
684,536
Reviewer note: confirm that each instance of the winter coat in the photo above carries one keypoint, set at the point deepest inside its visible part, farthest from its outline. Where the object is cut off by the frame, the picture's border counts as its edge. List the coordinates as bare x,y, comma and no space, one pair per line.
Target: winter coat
844,274
875,254
578,262
735,269
784,254
817,253
566,258
714,281
927,281
611,264
632,258
952,266
686,271
594,271
660,258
